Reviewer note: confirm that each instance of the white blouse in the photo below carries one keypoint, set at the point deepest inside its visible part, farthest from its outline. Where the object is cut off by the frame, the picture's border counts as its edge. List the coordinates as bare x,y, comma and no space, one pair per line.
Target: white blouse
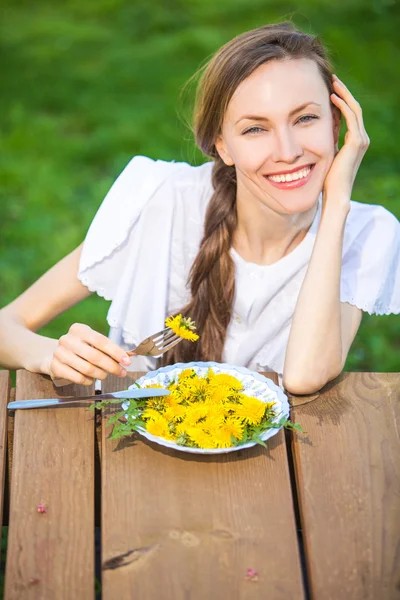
144,238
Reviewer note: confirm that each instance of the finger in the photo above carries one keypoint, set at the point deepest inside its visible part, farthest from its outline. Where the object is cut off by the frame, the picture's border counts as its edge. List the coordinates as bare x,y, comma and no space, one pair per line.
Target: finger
351,120
60,370
343,90
347,95
101,342
92,355
70,359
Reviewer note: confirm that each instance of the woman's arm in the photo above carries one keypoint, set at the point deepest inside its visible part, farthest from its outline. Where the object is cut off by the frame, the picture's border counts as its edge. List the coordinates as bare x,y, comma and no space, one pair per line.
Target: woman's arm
81,355
56,291
323,328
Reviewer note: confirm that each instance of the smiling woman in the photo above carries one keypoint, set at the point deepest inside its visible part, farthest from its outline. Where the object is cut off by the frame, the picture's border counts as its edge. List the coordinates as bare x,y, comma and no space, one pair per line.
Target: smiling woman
261,246
287,138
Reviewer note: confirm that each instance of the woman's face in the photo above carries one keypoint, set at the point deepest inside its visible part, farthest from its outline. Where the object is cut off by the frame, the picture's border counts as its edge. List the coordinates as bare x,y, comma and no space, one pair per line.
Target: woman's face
280,119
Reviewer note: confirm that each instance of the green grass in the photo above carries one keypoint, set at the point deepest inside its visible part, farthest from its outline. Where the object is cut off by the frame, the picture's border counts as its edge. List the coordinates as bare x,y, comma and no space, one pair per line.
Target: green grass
87,85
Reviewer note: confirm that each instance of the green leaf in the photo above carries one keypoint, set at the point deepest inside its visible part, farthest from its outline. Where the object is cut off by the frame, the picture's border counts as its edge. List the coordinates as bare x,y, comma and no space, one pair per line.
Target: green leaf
295,426
115,417
259,441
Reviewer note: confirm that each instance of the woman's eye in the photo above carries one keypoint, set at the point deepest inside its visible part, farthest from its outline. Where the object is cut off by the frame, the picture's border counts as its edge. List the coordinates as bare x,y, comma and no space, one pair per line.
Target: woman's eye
253,130
307,118
303,119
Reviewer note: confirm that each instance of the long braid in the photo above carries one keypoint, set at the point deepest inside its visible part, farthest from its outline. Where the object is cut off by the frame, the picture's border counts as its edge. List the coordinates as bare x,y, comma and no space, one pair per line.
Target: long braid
212,276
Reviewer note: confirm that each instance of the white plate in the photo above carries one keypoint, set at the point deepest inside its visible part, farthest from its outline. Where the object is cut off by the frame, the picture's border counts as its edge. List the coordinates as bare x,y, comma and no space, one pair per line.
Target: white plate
254,384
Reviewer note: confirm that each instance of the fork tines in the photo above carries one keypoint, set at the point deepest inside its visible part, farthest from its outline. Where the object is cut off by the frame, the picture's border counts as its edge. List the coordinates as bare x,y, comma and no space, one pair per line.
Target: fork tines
165,340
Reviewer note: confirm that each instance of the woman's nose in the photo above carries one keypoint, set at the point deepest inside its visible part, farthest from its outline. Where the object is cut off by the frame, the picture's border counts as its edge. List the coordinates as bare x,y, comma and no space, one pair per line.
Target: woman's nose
286,148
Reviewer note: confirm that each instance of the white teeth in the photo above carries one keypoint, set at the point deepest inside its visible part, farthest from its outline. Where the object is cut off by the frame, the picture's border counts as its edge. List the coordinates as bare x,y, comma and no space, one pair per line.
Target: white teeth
291,176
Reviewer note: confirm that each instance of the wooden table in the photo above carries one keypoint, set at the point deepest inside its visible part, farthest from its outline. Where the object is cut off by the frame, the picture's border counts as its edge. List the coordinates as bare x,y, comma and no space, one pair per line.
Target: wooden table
178,526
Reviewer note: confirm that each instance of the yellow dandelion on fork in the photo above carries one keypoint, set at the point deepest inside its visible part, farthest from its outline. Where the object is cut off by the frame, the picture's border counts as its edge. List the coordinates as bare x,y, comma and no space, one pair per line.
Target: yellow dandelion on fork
182,326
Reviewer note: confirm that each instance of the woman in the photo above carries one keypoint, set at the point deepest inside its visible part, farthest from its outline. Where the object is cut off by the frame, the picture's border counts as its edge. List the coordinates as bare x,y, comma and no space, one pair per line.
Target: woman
262,246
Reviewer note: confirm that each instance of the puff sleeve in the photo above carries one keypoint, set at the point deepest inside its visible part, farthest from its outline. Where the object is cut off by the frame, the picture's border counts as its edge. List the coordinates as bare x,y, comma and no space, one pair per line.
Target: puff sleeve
126,253
370,277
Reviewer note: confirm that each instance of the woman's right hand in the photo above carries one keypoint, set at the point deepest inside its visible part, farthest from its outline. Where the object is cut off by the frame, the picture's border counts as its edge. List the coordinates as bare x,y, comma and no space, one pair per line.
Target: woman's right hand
83,355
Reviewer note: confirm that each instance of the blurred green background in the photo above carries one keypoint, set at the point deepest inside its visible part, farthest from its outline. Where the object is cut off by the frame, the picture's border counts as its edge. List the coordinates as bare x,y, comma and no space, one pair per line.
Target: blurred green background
86,85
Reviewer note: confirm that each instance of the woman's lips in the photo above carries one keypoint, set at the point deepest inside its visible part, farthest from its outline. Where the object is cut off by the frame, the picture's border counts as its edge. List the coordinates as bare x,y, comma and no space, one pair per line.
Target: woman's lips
288,185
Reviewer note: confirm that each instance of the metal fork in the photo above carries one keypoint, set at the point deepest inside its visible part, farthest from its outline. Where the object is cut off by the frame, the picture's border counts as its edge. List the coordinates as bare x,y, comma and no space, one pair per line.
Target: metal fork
154,345
157,344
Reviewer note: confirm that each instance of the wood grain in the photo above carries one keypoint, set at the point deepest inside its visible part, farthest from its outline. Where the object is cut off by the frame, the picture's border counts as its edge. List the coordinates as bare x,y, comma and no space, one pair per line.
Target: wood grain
178,526
5,383
51,555
10,433
348,479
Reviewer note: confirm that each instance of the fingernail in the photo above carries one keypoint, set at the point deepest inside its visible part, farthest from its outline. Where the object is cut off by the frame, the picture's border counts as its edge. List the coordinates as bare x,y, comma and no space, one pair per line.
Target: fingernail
126,360
122,373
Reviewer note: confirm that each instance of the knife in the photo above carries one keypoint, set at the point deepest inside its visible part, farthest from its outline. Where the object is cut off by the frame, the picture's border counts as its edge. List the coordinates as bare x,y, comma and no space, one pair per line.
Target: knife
135,393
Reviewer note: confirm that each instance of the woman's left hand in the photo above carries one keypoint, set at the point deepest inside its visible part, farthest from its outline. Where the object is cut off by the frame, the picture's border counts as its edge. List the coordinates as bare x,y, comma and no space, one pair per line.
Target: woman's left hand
342,173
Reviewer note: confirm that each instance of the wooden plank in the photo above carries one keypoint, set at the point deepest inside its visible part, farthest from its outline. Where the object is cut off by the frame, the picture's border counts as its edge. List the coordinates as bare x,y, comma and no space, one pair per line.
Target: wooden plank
348,479
51,555
10,444
5,383
177,526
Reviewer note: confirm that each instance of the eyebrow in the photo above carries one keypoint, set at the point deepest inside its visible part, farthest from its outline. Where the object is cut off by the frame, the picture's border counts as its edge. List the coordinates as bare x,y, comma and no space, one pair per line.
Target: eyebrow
292,112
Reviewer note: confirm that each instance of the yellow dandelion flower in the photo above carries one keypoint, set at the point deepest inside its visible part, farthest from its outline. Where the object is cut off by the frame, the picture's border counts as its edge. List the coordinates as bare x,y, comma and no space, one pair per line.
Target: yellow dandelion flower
235,427
193,390
194,413
150,413
223,379
220,394
210,375
270,404
173,387
196,390
232,406
159,427
216,412
213,422
181,428
154,385
182,326
186,373
172,400
250,409
175,413
158,403
200,437
222,438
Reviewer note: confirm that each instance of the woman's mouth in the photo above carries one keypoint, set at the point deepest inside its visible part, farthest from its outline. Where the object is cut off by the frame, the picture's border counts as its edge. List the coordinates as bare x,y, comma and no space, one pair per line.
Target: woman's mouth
291,180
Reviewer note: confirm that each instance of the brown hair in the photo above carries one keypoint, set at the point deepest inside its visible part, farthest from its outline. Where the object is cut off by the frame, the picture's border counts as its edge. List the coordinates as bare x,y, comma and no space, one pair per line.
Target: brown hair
212,276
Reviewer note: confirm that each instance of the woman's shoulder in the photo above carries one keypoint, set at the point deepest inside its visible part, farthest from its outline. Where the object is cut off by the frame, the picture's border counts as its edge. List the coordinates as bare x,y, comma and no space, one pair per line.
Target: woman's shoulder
362,214
145,187
370,223
159,184
371,259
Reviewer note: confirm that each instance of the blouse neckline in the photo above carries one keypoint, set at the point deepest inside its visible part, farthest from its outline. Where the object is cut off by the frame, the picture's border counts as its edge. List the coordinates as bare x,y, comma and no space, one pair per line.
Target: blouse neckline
298,251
